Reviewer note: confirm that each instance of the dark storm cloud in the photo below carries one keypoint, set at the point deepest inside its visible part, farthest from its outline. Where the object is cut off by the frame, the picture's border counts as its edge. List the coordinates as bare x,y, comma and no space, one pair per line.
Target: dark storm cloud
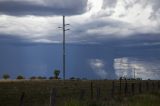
97,30
42,7
156,9
156,4
12,39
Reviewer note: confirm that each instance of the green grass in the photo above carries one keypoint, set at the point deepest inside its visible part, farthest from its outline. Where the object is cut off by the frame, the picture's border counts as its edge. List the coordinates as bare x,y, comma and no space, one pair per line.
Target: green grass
151,99
37,93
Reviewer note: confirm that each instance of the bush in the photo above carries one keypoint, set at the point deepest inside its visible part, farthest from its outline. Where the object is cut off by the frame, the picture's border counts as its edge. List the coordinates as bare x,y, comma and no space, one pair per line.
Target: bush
33,77
51,78
138,78
56,73
6,76
40,77
44,78
72,78
86,78
20,77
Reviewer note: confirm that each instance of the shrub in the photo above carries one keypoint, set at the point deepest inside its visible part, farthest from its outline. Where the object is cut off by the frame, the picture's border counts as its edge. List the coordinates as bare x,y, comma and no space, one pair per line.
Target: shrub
44,77
40,77
138,78
6,76
56,73
72,78
33,77
51,78
20,77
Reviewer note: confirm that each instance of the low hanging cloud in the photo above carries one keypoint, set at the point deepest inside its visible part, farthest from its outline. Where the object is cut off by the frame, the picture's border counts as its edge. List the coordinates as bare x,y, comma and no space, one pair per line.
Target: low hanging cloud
42,7
145,69
98,66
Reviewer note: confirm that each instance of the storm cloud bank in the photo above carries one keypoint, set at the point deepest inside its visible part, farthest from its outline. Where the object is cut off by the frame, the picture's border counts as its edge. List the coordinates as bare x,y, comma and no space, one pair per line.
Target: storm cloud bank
92,21
42,7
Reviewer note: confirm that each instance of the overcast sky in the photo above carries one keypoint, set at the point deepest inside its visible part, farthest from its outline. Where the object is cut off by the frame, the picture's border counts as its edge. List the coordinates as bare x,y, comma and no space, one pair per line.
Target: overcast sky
126,31
92,21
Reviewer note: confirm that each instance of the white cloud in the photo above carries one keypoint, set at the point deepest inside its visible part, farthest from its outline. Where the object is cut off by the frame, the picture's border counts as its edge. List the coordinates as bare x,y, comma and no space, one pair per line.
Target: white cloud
122,19
98,66
143,69
31,27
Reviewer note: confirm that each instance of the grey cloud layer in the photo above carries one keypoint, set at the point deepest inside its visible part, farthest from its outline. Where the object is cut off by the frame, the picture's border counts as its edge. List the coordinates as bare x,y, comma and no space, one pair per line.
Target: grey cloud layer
88,27
42,7
156,8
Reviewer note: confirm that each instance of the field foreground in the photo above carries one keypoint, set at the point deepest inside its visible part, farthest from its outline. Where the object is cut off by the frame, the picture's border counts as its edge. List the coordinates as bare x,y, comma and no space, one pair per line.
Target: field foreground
79,93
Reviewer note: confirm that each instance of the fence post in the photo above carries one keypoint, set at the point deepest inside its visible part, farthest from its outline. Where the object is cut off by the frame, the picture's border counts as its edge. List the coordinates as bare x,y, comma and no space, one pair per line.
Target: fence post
147,86
113,88
133,88
22,99
158,84
140,87
98,93
126,87
153,86
120,86
53,97
82,94
91,90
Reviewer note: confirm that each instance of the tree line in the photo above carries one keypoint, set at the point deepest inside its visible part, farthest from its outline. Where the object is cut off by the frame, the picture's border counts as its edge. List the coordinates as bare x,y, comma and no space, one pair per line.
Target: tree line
56,74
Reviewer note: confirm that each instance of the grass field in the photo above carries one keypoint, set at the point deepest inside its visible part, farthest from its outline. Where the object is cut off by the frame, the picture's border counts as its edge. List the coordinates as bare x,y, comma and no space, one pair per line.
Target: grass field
69,93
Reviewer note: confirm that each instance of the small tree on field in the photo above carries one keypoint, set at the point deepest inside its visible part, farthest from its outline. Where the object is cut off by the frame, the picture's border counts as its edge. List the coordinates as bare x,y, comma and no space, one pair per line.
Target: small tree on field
6,76
56,73
20,77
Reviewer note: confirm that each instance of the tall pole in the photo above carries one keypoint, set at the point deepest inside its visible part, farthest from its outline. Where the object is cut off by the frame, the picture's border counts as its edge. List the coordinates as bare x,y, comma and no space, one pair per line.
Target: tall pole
64,49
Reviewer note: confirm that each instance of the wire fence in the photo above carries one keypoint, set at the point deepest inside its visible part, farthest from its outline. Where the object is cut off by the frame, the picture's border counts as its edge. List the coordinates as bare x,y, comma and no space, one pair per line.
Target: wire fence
92,90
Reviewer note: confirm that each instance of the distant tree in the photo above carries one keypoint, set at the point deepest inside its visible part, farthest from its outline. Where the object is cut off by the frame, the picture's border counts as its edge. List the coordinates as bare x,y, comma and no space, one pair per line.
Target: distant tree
33,77
138,78
6,76
84,78
105,79
56,73
44,77
20,77
39,77
50,78
78,79
120,78
72,78
133,79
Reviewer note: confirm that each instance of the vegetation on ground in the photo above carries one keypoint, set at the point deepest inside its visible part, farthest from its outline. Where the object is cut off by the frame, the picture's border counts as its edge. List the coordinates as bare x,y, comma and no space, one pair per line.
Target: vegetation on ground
56,73
20,77
37,93
6,76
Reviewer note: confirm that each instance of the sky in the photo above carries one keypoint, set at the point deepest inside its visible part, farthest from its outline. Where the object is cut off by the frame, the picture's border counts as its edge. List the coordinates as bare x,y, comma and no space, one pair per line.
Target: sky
104,33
